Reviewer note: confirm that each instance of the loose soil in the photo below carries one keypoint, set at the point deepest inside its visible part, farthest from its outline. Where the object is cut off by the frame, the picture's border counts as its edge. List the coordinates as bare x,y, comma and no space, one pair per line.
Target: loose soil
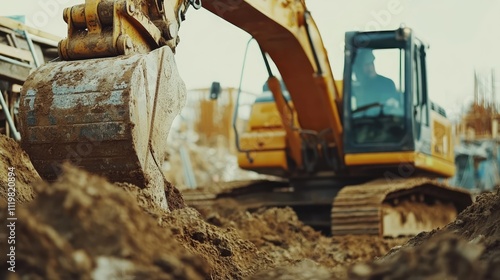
467,248
83,227
12,156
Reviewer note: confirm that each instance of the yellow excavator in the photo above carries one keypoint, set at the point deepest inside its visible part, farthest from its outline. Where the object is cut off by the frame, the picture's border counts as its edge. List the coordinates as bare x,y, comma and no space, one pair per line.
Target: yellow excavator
359,155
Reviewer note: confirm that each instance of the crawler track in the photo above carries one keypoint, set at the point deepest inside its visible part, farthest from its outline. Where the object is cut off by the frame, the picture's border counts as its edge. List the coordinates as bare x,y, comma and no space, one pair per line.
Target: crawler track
397,207
378,207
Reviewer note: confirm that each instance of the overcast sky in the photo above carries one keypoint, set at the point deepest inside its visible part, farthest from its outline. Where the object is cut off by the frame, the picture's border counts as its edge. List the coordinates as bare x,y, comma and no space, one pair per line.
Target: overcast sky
463,36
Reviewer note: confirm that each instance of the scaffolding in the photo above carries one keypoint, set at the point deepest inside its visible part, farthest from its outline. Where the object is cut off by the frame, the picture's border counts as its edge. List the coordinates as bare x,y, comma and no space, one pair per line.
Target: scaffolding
22,49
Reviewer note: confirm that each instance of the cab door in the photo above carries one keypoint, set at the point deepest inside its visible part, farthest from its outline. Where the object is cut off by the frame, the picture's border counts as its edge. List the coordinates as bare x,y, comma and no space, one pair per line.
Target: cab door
377,103
422,131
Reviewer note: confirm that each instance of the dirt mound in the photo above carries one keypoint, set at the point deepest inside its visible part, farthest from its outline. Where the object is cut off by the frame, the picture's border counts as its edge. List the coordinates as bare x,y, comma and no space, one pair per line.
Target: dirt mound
305,270
147,203
468,248
231,256
11,155
82,226
288,241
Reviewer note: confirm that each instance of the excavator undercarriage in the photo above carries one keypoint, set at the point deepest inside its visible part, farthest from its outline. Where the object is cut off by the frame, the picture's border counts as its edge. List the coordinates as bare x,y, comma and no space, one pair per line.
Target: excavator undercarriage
389,208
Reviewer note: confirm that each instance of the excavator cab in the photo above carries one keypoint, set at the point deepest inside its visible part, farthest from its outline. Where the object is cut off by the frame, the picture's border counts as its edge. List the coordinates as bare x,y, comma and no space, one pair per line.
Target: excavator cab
387,116
375,94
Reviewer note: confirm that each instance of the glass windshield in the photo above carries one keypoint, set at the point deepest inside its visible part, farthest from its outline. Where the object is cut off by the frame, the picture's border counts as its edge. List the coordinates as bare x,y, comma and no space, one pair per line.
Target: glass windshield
377,100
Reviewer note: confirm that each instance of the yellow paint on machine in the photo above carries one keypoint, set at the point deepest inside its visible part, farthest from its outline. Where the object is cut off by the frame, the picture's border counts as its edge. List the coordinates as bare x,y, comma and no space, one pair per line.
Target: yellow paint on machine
268,159
266,150
434,164
419,160
378,158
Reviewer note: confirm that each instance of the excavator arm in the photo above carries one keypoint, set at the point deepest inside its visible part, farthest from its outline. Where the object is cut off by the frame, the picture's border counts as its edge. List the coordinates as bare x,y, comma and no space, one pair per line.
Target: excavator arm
286,31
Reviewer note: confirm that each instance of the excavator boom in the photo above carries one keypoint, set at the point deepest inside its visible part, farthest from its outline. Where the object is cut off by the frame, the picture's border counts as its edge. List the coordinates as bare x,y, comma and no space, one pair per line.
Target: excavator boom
285,30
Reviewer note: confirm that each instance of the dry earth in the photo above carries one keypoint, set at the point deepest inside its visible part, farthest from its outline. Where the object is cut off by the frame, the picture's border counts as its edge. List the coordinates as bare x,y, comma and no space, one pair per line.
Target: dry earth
83,227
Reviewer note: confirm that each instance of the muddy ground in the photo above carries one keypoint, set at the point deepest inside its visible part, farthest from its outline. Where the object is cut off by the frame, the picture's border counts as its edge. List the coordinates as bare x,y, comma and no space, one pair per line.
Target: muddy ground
83,227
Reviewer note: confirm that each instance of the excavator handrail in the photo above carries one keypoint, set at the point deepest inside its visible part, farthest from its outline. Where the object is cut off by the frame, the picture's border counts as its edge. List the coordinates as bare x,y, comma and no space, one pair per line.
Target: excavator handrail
235,111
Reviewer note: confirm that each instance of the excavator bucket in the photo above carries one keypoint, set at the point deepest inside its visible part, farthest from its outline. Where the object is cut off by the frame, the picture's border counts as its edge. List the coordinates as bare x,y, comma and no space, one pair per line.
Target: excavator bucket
110,116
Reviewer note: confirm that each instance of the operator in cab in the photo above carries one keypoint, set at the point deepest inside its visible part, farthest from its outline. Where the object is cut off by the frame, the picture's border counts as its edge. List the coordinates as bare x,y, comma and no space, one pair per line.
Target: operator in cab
371,91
